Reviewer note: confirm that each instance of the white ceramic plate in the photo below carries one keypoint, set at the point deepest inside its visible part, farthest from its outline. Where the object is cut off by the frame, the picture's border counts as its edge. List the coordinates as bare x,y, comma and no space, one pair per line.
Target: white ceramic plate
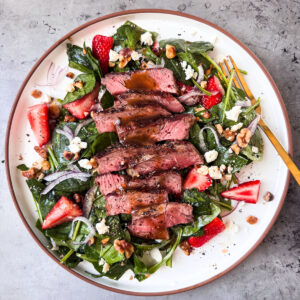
227,249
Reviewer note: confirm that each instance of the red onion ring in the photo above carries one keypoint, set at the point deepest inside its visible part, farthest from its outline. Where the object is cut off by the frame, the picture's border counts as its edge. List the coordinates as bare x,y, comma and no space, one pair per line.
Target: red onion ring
90,227
230,212
80,125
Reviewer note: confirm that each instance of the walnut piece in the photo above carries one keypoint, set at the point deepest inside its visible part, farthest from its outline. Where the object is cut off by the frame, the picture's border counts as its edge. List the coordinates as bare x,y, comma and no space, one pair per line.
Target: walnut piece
54,110
30,173
268,196
170,51
144,65
105,241
94,163
45,165
69,118
124,247
36,94
68,155
243,138
70,75
219,128
111,64
40,151
252,220
78,84
186,247
236,149
78,198
229,135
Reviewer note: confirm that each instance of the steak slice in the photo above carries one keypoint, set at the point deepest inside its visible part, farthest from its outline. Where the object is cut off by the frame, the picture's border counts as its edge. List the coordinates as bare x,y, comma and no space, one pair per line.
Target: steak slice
145,221
109,183
127,201
142,160
106,120
147,132
166,100
159,79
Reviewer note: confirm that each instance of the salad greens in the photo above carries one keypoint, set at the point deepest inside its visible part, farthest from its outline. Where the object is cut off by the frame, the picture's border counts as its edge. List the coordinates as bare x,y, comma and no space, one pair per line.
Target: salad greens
207,205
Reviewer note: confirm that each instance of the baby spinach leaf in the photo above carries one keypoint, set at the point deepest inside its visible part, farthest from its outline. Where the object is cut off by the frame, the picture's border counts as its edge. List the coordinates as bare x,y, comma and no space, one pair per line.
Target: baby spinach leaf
77,60
102,141
22,167
88,81
112,256
182,45
139,266
93,62
107,100
256,141
73,185
200,47
188,57
194,135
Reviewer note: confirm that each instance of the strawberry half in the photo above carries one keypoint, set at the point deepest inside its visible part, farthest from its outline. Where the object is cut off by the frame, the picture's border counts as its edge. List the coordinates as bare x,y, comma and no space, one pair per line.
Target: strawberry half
63,211
196,180
39,123
101,45
247,191
81,108
213,85
210,230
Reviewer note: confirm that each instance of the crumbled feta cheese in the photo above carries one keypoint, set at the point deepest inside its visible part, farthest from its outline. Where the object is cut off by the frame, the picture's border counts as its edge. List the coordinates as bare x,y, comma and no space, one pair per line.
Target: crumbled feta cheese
229,169
85,163
203,170
146,38
234,113
188,70
231,227
183,64
70,88
156,255
222,168
113,55
101,227
135,55
214,172
101,261
76,145
195,75
211,156
254,149
228,177
105,267
236,127
230,150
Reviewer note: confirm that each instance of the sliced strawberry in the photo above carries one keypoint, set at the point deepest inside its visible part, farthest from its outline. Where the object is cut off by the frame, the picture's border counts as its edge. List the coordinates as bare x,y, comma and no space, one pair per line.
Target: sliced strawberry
81,108
247,191
210,230
39,123
156,49
63,211
196,180
183,88
101,45
213,85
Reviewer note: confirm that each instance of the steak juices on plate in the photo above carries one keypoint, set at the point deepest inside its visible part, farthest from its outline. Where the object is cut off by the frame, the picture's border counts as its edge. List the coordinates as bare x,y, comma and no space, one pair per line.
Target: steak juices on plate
141,154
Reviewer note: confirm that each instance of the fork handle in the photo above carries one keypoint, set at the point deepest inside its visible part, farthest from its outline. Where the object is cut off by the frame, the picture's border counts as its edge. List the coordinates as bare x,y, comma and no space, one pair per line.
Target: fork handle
284,155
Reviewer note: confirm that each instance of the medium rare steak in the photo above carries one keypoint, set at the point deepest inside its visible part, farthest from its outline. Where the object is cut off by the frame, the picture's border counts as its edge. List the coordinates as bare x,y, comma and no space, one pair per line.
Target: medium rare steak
144,221
146,132
109,183
166,100
159,79
126,201
143,160
106,120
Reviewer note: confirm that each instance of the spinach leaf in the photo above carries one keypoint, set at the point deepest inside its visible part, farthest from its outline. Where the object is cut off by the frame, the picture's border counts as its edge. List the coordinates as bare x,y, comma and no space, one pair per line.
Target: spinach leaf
107,100
88,81
102,141
139,266
174,65
77,60
192,47
73,185
112,256
200,47
188,57
194,135
199,200
22,167
256,141
148,53
93,62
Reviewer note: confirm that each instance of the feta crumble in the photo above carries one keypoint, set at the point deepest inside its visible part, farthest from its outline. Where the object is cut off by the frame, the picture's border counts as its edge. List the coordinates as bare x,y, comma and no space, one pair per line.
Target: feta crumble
234,113
237,127
214,172
230,150
113,56
222,168
229,169
146,38
203,170
188,70
210,156
105,267
101,227
85,163
254,149
70,88
135,55
101,261
76,145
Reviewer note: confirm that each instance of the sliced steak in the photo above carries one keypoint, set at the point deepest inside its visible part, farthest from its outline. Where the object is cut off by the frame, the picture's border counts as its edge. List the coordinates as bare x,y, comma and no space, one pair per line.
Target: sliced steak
127,201
106,120
109,183
142,160
146,132
159,79
144,221
166,100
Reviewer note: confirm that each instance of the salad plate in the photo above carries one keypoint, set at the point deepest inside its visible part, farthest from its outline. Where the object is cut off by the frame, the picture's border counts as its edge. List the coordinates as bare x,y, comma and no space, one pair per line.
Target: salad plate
241,236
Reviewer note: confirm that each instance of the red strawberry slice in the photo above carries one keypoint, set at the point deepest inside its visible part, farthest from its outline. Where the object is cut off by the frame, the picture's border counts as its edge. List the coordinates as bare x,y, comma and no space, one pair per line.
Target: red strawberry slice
183,88
196,180
210,230
247,191
63,211
101,45
81,108
213,85
39,123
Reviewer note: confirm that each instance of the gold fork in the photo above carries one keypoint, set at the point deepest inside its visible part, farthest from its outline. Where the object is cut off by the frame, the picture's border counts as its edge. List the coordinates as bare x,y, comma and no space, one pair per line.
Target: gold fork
284,155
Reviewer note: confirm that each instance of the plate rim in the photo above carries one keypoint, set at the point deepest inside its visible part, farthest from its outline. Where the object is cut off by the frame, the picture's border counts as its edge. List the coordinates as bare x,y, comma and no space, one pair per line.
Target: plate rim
130,12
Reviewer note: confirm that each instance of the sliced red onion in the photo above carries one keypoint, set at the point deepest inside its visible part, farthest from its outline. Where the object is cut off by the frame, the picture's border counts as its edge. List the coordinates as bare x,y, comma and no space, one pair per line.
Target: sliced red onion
253,125
243,103
66,134
56,175
73,167
80,125
90,227
200,74
88,201
153,66
68,130
75,175
54,246
230,212
201,138
190,94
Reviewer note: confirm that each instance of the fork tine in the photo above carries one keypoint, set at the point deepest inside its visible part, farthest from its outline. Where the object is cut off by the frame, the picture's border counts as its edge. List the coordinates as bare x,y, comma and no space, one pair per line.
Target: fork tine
229,70
242,80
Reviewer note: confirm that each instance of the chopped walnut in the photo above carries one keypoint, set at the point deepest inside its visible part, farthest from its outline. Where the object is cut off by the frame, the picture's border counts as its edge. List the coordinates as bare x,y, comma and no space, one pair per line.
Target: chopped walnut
203,84
84,51
94,163
252,220
70,75
111,64
124,61
78,84
78,198
105,241
243,138
186,247
219,128
124,247
36,94
208,71
45,165
30,173
20,157
268,196
205,114
170,51
54,110
229,135
69,118
91,241
144,65
41,152
68,155
236,149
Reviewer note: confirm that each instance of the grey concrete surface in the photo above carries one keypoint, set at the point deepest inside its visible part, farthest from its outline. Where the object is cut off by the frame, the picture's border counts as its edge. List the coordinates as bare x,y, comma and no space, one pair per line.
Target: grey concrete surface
269,27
